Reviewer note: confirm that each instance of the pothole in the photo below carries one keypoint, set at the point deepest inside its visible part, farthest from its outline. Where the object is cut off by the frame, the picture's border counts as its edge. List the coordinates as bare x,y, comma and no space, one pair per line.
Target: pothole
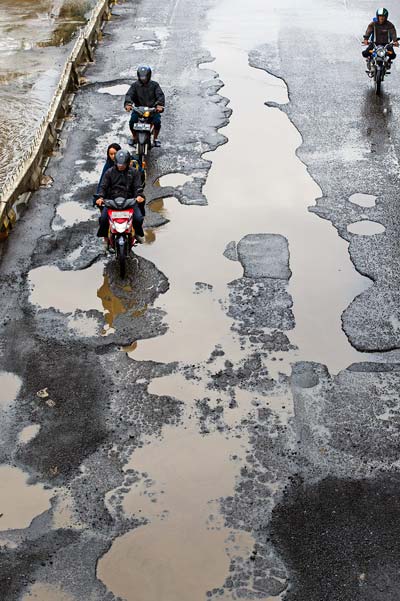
185,549
20,502
46,592
52,288
28,433
10,385
366,228
71,212
363,200
145,45
118,90
174,180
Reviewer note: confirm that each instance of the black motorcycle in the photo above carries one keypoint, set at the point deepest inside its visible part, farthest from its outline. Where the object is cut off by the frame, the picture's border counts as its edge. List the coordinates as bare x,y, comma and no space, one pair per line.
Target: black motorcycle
379,62
144,130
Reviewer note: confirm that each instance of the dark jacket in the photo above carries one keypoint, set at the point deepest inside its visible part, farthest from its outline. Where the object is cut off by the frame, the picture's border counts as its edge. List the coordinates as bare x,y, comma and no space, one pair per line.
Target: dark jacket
140,94
127,184
381,34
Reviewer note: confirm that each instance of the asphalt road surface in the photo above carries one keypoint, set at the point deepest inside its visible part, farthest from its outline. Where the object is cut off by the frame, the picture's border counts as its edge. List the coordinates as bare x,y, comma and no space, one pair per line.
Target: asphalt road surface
224,424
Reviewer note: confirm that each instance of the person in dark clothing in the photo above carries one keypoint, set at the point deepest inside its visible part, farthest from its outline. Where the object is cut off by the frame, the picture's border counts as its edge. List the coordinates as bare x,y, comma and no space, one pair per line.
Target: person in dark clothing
110,162
145,92
121,180
381,32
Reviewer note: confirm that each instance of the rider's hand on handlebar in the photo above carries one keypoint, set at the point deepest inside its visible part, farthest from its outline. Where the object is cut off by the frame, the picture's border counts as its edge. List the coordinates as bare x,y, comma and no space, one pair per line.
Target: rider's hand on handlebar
128,108
396,44
365,42
160,109
100,202
140,199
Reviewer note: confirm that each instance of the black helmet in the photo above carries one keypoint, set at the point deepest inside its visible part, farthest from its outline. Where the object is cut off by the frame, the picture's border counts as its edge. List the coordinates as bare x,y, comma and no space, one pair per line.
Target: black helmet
382,12
122,157
144,74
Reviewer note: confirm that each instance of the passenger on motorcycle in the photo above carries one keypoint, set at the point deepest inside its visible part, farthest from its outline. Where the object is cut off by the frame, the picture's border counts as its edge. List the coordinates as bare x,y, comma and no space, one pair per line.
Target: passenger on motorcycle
145,92
124,181
380,31
110,162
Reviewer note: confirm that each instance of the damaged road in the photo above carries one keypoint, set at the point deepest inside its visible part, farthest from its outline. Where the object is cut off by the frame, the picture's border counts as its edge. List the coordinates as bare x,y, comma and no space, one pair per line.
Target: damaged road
224,423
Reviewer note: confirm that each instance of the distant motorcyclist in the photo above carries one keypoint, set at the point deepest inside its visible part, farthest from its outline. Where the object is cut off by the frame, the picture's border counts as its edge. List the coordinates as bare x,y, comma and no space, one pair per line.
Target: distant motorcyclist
121,180
145,92
381,32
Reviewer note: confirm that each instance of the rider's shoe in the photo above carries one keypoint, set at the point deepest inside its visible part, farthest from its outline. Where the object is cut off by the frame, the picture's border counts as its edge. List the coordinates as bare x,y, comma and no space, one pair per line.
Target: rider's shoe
139,239
157,144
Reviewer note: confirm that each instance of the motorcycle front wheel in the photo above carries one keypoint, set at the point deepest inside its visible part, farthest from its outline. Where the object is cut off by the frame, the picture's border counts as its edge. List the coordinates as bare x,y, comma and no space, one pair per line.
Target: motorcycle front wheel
121,258
378,81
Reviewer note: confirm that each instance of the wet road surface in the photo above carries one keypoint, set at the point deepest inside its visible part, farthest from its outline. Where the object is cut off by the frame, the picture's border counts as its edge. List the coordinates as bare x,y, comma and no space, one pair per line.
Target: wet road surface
224,423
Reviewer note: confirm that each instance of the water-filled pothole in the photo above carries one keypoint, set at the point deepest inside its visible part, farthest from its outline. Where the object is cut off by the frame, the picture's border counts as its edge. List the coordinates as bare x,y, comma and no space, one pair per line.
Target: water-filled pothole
363,200
366,228
32,499
118,90
174,180
10,385
71,212
28,433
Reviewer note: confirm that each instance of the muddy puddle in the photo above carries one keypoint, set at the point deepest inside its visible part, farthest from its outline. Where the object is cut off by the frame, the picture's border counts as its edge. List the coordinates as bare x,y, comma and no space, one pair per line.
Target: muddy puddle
10,385
28,433
366,228
184,550
363,200
46,592
20,502
70,212
119,90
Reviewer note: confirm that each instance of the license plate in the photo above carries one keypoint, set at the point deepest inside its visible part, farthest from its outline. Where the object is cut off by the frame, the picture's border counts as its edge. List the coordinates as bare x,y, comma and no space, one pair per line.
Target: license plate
120,214
142,127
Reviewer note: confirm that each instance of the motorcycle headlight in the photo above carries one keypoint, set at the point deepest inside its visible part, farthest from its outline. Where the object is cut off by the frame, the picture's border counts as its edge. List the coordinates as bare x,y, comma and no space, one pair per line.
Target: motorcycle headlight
381,53
146,114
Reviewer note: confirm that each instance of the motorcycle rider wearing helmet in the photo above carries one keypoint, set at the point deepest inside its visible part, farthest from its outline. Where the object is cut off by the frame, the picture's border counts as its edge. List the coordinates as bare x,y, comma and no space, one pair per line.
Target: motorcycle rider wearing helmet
145,92
124,181
380,31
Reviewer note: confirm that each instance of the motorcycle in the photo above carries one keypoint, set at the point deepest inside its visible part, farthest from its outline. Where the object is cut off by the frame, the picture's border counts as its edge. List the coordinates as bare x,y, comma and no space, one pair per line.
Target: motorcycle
121,234
144,130
378,64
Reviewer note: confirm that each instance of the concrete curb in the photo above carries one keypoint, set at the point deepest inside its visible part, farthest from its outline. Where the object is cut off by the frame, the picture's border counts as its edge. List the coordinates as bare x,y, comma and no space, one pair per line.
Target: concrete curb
27,177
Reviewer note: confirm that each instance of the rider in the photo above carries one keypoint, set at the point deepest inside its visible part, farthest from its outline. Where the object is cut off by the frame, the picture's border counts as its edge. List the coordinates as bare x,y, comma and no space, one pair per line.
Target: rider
380,31
124,181
145,92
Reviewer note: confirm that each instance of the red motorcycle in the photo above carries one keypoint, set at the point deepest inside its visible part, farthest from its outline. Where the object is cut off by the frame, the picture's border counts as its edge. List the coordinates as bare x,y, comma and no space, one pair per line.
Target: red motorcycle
121,234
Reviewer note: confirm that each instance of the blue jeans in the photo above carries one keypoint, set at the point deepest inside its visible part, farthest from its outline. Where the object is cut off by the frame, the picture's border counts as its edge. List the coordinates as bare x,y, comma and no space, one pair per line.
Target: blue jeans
154,119
137,221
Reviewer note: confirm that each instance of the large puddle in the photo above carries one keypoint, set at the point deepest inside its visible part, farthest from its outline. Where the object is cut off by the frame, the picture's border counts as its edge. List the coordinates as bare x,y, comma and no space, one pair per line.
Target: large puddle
184,550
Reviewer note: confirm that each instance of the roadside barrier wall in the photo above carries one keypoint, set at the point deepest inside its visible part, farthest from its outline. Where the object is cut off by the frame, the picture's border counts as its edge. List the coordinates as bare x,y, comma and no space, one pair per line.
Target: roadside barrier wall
27,177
